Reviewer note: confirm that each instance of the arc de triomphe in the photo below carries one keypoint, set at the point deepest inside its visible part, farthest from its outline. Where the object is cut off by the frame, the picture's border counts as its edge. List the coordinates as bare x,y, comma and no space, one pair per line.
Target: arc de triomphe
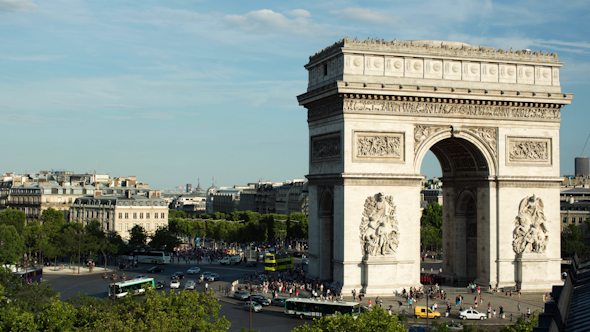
492,119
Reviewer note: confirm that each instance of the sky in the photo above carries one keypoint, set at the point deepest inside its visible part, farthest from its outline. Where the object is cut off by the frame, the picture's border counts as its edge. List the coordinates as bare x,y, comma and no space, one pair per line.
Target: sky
178,92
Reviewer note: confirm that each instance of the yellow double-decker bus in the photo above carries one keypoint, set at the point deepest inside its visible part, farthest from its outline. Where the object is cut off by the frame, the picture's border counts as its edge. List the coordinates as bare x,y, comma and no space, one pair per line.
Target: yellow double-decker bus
277,262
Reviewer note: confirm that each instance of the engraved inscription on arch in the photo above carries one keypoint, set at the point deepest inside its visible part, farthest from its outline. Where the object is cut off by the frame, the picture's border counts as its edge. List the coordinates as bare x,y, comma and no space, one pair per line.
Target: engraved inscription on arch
326,148
527,150
379,146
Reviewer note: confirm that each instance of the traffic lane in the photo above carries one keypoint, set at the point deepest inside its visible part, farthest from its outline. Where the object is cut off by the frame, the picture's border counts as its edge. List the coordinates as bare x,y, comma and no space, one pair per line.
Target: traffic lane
264,321
70,286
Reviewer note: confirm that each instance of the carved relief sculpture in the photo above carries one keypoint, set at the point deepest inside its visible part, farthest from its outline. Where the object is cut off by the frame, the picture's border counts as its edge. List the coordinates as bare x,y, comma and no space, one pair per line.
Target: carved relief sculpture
530,234
325,148
379,230
529,150
421,133
379,146
489,135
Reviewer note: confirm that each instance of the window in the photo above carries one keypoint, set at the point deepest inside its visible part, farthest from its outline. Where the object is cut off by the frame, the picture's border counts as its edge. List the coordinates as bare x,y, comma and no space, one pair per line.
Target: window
126,226
126,215
134,215
147,226
120,227
147,215
156,215
162,215
564,220
141,215
580,220
120,215
141,225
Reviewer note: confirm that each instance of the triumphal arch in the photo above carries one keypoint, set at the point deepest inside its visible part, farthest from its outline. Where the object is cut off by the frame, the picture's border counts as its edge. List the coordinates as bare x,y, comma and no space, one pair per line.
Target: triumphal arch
492,119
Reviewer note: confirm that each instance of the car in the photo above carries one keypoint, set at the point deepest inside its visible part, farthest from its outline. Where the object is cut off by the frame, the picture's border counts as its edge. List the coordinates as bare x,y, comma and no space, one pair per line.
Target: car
251,264
160,284
177,275
190,285
155,269
255,306
297,254
423,311
241,295
471,314
139,276
194,270
260,299
305,261
279,301
175,283
212,277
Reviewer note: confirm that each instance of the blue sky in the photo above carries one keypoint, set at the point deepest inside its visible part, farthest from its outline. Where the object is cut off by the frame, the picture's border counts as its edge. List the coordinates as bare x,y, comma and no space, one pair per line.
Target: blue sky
176,91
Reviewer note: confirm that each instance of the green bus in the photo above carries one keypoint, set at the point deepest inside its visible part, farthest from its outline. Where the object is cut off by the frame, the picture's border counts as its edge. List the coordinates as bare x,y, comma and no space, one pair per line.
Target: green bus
277,262
130,287
302,308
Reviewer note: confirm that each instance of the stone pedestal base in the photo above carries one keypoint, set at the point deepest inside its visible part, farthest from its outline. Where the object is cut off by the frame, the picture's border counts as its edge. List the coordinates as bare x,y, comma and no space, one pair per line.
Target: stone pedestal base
532,273
382,276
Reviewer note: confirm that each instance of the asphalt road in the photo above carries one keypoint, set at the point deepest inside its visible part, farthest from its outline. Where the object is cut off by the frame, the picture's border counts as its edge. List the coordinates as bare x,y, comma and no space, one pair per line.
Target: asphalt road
69,285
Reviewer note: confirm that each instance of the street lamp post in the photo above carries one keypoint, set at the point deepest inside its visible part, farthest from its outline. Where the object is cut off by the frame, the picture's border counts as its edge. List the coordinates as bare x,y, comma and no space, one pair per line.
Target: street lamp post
80,232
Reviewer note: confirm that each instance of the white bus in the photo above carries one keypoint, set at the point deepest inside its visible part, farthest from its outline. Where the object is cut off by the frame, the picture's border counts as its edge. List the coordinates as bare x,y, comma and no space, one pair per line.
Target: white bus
130,287
152,257
302,308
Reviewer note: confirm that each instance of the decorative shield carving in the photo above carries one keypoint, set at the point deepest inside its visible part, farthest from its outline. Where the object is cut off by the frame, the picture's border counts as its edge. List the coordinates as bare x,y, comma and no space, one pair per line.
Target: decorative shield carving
530,234
379,232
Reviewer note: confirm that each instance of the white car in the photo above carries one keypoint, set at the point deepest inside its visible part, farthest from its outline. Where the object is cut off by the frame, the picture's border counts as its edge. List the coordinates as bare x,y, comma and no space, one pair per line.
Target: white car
255,306
175,283
194,270
212,277
471,314
190,285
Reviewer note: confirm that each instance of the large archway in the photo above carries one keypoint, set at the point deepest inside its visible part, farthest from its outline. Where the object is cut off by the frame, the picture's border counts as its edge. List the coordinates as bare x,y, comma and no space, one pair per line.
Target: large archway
492,121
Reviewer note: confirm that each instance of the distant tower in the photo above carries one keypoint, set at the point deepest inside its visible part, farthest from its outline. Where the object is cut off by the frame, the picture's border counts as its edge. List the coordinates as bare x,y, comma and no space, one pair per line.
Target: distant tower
582,166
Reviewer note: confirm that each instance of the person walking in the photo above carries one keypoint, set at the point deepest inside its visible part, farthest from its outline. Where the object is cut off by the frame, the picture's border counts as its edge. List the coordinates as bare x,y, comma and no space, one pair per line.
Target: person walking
354,294
519,309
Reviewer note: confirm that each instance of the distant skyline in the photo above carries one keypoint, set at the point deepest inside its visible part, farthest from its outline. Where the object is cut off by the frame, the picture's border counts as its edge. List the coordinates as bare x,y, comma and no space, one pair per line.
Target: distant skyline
176,91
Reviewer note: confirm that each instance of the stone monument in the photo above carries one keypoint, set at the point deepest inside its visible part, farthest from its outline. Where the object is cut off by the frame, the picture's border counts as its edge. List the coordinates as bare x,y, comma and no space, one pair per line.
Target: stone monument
492,119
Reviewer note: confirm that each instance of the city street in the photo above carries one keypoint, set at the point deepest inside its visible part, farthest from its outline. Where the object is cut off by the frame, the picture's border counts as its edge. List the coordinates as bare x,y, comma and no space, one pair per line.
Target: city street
68,283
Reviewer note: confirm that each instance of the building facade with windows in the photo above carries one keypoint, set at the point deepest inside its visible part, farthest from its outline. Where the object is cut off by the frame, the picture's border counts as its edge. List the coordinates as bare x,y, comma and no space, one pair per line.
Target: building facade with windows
121,213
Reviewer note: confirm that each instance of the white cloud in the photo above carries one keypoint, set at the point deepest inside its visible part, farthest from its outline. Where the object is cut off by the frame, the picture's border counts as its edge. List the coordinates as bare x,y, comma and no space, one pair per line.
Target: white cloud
268,21
299,13
365,15
17,6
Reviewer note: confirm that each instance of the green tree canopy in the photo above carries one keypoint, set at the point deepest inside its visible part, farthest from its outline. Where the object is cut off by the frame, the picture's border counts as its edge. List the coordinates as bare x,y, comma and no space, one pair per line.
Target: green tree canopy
53,216
13,217
12,245
163,239
138,239
573,241
431,226
375,320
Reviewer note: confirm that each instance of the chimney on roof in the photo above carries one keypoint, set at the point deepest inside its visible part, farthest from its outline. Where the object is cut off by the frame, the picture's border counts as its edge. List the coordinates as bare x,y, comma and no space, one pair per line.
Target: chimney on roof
128,193
97,193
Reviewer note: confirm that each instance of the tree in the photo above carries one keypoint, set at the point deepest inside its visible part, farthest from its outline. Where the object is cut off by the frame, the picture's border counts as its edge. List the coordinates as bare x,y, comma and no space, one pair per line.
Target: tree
162,238
12,246
572,241
376,320
431,226
53,216
298,226
138,238
522,325
13,217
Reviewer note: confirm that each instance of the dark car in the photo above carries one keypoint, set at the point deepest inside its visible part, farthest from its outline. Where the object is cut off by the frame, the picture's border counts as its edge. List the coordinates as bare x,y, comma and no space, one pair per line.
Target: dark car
155,269
177,275
251,264
160,284
297,254
279,301
260,299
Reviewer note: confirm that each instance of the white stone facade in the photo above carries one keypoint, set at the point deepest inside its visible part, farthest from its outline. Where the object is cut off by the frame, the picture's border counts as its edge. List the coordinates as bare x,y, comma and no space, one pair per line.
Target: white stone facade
375,109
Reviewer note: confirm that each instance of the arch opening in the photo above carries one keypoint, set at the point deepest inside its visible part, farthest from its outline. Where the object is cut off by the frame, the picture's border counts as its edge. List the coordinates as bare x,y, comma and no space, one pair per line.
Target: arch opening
465,216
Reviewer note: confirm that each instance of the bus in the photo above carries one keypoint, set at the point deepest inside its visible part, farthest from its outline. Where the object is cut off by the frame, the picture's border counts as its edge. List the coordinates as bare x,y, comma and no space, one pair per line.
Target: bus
302,308
130,287
277,262
152,257
31,275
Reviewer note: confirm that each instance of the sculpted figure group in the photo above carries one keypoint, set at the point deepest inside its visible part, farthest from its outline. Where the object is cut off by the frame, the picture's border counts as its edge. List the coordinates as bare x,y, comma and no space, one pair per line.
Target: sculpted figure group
378,230
530,234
